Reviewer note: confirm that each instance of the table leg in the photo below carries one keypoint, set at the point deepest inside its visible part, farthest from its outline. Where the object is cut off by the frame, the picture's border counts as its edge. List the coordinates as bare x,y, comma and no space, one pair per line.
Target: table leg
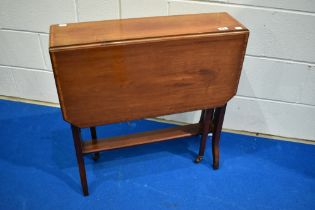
206,124
202,115
96,155
76,133
218,121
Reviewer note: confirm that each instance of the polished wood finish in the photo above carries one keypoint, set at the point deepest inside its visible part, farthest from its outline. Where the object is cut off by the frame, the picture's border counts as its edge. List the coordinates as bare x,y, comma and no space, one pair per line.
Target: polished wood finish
100,32
206,116
218,122
96,155
141,138
120,70
76,132
123,83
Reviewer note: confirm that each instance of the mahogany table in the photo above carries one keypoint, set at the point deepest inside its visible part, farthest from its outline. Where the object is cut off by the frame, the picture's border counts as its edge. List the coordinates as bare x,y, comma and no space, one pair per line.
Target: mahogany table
120,70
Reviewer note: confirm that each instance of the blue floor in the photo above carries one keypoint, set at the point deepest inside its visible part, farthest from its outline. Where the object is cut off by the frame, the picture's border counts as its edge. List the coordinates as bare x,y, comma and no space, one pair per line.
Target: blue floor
38,169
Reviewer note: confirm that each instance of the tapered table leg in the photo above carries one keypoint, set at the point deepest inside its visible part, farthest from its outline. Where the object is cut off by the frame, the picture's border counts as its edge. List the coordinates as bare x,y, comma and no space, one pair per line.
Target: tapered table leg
206,122
202,115
218,122
76,132
96,155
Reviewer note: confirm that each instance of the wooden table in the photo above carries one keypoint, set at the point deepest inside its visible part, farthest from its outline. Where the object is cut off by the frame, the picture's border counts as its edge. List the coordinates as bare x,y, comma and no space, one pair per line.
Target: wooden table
120,70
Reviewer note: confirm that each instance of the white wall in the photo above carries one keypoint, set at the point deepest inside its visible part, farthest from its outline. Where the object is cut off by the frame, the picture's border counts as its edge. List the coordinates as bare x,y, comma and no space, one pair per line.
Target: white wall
277,88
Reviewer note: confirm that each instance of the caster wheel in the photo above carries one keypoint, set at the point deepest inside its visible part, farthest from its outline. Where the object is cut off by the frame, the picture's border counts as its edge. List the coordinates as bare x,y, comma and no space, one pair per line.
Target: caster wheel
198,159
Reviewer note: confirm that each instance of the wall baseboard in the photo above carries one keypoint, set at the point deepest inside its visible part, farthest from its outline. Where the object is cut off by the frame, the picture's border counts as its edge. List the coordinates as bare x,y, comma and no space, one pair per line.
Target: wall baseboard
29,101
304,141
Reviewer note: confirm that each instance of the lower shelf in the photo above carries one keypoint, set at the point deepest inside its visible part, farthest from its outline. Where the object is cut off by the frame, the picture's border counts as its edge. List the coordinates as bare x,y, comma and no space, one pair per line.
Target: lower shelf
141,138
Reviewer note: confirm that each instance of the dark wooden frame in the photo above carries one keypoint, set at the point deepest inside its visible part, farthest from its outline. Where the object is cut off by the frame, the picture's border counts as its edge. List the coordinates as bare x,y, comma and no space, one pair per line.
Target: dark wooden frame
211,121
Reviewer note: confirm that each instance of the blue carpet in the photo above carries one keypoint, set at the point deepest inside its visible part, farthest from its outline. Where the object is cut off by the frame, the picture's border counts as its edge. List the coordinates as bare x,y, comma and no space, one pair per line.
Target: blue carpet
38,169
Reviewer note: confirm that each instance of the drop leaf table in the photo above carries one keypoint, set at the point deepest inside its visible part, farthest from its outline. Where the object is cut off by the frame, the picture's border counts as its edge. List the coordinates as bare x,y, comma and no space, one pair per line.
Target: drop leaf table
120,70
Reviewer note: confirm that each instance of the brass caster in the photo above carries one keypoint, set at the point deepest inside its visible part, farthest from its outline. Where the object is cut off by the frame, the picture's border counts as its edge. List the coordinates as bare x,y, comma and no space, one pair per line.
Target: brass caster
198,159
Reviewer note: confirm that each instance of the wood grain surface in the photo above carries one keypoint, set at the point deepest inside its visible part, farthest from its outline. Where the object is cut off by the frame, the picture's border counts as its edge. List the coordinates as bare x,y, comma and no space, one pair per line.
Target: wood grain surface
119,81
140,28
141,138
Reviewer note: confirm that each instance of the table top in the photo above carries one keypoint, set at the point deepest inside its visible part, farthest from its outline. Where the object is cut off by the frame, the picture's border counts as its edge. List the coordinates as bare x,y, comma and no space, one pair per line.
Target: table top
120,70
100,32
